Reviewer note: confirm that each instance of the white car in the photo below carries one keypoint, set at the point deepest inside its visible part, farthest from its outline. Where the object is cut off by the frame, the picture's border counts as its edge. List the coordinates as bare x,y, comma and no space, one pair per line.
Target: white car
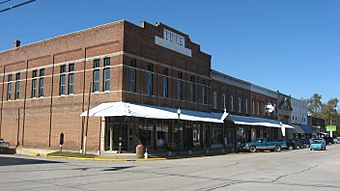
337,140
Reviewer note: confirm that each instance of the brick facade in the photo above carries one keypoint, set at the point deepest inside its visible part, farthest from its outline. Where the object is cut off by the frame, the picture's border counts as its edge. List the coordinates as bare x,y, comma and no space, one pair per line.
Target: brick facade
36,120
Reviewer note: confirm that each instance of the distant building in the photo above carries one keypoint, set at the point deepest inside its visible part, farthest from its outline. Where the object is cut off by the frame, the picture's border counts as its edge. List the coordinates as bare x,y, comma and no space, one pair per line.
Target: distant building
299,118
318,125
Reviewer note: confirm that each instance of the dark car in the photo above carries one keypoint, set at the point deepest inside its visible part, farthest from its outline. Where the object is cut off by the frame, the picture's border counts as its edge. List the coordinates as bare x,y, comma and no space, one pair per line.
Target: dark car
329,140
294,144
305,142
3,146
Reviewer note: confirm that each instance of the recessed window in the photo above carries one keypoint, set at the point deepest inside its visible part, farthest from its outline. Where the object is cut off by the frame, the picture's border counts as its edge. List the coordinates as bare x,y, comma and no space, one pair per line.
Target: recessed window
95,75
70,81
149,80
239,104
132,76
17,86
253,106
106,74
224,101
205,95
180,86
214,100
231,103
165,83
41,82
34,84
192,89
62,82
9,87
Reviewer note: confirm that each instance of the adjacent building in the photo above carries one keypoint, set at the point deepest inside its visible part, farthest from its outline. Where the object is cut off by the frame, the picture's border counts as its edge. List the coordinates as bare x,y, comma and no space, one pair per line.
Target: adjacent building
299,119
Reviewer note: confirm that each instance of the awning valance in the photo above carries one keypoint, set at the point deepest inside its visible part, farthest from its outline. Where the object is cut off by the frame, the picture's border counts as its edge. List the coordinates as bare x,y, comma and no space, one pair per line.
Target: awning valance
115,109
254,121
298,129
302,129
306,129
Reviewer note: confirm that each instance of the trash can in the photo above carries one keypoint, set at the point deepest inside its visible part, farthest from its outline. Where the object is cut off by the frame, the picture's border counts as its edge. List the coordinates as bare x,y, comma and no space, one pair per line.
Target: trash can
140,151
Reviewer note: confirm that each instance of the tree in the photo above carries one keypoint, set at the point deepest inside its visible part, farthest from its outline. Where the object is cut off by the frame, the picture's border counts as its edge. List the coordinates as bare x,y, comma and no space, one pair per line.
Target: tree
314,104
329,111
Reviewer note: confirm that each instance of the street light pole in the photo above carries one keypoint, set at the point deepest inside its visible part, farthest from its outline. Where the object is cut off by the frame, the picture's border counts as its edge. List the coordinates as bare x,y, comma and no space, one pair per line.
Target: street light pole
179,118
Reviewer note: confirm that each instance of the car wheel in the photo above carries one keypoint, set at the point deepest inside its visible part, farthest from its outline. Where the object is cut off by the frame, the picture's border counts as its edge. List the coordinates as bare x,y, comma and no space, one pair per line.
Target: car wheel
311,149
277,149
252,149
329,144
290,148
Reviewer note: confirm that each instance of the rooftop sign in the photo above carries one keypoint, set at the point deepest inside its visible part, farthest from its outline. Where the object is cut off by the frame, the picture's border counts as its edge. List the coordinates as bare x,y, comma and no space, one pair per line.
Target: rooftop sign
173,41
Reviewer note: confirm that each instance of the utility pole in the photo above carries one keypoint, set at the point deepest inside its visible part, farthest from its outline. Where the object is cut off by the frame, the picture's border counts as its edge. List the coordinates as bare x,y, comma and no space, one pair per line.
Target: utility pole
87,119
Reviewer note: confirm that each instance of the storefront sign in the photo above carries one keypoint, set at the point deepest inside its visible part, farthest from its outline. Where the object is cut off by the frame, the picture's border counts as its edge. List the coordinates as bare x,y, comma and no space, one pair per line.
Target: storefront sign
331,128
173,41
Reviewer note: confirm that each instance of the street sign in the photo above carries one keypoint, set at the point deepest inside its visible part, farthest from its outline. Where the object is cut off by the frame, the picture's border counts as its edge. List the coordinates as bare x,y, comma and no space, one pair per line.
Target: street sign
331,128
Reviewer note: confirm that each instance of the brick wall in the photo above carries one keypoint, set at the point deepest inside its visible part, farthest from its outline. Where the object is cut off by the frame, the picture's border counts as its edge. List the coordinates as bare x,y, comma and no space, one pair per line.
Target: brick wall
38,122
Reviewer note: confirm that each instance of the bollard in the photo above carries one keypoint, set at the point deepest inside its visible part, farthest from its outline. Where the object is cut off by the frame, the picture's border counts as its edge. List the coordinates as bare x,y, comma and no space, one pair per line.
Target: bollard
146,155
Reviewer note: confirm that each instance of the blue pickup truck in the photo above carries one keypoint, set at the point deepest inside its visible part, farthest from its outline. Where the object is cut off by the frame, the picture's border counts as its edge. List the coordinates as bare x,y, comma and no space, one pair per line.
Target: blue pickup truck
263,144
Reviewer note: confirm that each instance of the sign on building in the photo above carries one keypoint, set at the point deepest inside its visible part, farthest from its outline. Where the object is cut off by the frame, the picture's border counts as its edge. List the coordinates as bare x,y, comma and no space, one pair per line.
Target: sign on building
173,41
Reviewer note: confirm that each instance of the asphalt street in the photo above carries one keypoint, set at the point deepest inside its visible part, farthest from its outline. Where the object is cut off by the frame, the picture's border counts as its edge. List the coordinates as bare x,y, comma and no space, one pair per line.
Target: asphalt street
295,170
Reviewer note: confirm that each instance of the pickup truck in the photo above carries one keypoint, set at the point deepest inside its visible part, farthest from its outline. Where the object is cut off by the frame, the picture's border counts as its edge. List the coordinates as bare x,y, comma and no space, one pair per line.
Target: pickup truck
263,144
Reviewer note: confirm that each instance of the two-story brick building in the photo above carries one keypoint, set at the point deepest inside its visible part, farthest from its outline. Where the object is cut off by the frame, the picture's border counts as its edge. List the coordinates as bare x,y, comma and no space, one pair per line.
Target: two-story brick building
157,85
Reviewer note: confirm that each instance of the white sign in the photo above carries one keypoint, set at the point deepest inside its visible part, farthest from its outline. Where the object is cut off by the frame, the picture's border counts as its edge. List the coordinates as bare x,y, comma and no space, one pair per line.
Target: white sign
269,108
173,41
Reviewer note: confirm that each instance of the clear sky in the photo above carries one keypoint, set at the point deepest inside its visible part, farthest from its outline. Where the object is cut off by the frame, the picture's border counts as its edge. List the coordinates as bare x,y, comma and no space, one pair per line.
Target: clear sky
287,45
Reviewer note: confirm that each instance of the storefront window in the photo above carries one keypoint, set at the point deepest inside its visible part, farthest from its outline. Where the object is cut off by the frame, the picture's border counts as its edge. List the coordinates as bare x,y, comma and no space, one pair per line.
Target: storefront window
217,137
196,135
145,134
162,134
177,135
228,137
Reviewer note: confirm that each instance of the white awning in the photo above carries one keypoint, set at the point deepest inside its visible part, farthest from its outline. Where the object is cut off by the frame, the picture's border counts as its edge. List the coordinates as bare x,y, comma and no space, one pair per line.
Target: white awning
288,126
114,109
254,121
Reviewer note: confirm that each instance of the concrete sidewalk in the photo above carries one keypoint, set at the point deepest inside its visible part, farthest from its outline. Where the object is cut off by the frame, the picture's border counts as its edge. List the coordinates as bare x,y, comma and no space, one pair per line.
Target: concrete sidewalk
33,152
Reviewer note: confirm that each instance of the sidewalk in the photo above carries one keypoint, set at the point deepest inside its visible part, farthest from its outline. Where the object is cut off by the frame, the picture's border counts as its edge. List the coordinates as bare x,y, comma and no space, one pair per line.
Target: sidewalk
48,153
33,152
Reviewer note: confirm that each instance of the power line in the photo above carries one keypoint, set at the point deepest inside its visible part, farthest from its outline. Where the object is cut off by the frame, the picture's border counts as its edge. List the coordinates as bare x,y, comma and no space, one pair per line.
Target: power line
15,6
5,1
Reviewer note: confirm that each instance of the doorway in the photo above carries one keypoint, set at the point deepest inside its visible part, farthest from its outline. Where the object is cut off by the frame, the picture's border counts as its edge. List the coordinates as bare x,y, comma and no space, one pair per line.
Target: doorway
114,135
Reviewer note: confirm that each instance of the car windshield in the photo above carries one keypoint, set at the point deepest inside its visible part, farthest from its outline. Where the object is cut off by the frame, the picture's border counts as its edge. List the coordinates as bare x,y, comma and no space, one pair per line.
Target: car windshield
317,141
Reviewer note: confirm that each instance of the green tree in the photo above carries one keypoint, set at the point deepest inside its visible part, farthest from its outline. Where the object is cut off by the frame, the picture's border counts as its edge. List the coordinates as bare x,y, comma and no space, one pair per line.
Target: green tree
329,111
314,104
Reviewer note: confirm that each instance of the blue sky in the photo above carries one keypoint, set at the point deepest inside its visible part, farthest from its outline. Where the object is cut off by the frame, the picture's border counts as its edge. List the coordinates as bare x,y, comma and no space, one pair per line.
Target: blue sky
287,45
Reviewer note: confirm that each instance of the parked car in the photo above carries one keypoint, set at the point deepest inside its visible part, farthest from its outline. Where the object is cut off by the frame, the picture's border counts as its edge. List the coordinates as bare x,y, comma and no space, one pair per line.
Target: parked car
337,140
329,140
318,144
3,145
294,144
305,142
263,144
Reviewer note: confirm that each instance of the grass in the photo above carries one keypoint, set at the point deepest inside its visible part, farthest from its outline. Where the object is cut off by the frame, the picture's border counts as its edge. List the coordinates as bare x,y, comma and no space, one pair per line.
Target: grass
71,154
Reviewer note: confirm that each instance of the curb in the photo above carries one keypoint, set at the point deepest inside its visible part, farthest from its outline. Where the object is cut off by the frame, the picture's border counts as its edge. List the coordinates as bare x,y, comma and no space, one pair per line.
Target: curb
104,159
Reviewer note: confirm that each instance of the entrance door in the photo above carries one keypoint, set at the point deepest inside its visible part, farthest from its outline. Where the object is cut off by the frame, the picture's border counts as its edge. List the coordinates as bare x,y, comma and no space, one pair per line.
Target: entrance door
114,135
120,136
